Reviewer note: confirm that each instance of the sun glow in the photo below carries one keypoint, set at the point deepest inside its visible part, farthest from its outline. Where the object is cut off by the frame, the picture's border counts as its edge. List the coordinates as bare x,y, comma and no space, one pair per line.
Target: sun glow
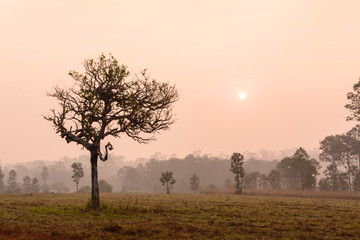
242,96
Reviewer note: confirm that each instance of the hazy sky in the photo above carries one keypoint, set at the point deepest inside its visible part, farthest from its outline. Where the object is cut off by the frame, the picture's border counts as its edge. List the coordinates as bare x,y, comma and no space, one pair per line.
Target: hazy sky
296,60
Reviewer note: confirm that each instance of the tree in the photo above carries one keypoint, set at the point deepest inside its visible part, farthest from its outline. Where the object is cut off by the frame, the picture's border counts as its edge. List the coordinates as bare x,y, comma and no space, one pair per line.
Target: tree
354,105
27,184
104,103
251,180
84,189
195,183
44,175
105,187
167,178
130,177
2,185
299,171
78,173
274,179
35,186
236,166
338,150
13,186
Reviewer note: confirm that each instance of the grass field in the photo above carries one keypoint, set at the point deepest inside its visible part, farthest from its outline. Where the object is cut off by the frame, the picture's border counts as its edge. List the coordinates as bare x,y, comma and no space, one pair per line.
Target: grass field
177,216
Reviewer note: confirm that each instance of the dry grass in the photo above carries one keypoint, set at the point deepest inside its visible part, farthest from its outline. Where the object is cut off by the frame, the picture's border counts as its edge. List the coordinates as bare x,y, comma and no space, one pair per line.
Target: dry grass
178,216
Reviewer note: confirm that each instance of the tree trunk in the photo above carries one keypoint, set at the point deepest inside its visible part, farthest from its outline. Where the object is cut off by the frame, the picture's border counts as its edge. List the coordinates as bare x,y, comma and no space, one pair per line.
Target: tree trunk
238,190
77,188
95,199
167,188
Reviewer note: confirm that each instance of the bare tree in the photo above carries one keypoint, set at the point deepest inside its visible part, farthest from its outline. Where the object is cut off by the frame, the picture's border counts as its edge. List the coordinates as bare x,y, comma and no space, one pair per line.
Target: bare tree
105,102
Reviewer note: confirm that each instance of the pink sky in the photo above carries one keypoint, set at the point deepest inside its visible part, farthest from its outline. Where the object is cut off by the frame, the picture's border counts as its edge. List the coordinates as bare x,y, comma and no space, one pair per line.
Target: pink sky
296,60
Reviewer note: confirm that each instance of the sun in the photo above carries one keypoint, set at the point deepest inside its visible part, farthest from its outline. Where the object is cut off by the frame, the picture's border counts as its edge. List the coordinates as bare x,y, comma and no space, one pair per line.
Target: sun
242,96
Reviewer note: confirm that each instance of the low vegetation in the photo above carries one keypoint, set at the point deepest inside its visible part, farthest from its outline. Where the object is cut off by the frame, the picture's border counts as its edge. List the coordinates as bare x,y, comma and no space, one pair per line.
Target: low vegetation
177,216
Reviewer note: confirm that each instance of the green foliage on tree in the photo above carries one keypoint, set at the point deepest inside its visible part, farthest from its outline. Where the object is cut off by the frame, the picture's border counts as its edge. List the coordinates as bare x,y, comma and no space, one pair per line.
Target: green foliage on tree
78,172
236,166
194,183
106,102
168,180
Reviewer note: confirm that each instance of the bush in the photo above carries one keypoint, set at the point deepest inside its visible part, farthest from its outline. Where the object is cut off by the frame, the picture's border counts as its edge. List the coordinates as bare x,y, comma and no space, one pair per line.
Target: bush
105,187
84,189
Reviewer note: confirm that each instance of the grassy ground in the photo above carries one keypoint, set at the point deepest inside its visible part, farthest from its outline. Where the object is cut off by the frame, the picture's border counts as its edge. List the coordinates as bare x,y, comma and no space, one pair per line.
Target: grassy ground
177,216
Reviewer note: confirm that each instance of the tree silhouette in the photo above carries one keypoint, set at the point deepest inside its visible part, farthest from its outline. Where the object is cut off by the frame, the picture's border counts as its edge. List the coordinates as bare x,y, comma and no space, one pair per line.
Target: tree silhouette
194,182
78,173
167,178
27,184
44,175
13,186
104,102
237,161
2,185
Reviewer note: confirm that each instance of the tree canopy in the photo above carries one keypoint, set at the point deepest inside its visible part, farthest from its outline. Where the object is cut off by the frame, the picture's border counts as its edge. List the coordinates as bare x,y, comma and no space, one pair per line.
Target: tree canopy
105,101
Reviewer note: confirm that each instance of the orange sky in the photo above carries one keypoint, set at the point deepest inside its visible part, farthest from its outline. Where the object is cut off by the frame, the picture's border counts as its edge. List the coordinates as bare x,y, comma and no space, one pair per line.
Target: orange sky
296,60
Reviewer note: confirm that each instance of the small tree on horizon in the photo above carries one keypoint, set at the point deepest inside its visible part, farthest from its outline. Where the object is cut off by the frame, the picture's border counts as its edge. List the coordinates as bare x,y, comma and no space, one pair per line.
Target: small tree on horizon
13,186
27,184
104,102
2,185
44,175
195,183
35,186
168,180
237,161
78,173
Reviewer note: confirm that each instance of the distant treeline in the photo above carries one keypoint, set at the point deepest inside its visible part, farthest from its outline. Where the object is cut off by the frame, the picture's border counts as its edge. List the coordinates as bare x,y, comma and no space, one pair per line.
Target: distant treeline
299,171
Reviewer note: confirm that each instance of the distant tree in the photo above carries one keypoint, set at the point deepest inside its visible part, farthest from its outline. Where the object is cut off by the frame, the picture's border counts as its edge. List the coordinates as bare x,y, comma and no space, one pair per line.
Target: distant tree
78,173
27,184
35,186
274,179
354,105
338,150
324,184
45,188
168,180
130,177
237,161
13,186
264,182
84,189
104,103
333,176
60,187
299,171
194,183
44,175
2,185
105,187
211,187
251,180
227,183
